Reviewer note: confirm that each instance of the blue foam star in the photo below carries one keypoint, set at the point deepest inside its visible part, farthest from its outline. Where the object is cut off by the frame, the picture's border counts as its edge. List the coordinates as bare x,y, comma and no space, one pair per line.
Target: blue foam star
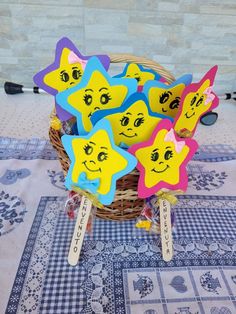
96,91
133,122
165,98
137,72
99,160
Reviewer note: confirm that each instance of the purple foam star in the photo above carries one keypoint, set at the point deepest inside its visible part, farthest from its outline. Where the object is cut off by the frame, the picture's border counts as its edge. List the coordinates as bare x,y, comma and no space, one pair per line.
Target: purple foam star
39,77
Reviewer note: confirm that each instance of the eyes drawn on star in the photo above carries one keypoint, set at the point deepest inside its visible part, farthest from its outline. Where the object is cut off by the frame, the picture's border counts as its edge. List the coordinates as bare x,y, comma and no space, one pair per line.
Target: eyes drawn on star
98,100
131,123
161,159
95,157
135,76
169,102
195,105
71,75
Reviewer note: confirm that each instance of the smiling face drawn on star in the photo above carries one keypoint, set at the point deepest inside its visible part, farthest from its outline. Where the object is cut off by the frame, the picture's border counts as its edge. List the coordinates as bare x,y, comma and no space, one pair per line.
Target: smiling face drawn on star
165,101
131,122
66,76
133,71
161,161
196,101
133,125
193,108
96,157
161,164
97,95
102,99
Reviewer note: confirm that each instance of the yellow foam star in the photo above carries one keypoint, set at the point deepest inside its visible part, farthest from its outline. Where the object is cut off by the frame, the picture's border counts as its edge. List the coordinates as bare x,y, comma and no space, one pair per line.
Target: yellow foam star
161,162
134,71
193,108
66,75
98,159
98,94
133,125
165,100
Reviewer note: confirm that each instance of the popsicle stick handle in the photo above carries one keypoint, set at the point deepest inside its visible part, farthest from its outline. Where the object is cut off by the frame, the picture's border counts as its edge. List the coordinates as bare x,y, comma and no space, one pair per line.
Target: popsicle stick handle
166,232
79,231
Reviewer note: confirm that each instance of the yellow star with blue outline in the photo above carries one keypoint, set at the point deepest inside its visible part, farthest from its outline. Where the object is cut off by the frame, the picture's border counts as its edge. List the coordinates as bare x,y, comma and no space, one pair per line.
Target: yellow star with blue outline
136,71
97,156
133,122
96,91
165,99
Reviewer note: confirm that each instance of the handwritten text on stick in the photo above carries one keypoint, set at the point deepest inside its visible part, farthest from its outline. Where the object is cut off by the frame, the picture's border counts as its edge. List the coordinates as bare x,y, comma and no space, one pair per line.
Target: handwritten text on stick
79,231
166,232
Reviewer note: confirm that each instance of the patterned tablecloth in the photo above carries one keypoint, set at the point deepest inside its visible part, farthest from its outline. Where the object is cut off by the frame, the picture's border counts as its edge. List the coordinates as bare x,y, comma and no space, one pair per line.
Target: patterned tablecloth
121,269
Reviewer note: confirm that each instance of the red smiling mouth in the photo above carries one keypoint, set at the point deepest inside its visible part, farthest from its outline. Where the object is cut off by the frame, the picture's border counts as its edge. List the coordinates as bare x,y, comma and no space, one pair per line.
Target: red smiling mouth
128,135
156,171
96,170
186,115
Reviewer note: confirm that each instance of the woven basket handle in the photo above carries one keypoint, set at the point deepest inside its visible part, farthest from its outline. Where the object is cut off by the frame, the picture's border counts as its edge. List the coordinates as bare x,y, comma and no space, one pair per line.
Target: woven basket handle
128,58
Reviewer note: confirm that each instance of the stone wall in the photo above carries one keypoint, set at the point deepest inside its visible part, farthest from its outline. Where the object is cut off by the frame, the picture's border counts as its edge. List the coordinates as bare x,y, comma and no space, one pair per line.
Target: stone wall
184,36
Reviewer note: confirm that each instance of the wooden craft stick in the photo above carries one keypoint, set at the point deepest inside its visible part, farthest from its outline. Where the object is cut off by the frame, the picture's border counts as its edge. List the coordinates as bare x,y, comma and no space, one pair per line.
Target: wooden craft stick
79,231
166,232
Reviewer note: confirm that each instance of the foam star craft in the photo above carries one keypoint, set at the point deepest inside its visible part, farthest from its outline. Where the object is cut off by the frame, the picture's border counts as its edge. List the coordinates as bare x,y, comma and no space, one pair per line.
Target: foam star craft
96,91
66,70
132,122
96,162
197,99
165,99
162,160
137,71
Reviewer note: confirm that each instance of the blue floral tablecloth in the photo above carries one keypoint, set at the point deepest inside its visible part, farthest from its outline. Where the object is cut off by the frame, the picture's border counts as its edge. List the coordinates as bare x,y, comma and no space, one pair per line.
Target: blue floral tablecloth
121,269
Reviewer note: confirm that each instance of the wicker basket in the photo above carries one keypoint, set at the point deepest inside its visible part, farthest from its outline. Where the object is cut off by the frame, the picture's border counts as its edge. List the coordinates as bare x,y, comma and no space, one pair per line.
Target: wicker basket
126,204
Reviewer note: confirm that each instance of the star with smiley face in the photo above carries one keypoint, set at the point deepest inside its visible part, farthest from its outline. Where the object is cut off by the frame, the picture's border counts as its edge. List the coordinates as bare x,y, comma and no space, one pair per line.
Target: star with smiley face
138,72
165,99
96,91
132,122
162,160
66,70
96,162
197,99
